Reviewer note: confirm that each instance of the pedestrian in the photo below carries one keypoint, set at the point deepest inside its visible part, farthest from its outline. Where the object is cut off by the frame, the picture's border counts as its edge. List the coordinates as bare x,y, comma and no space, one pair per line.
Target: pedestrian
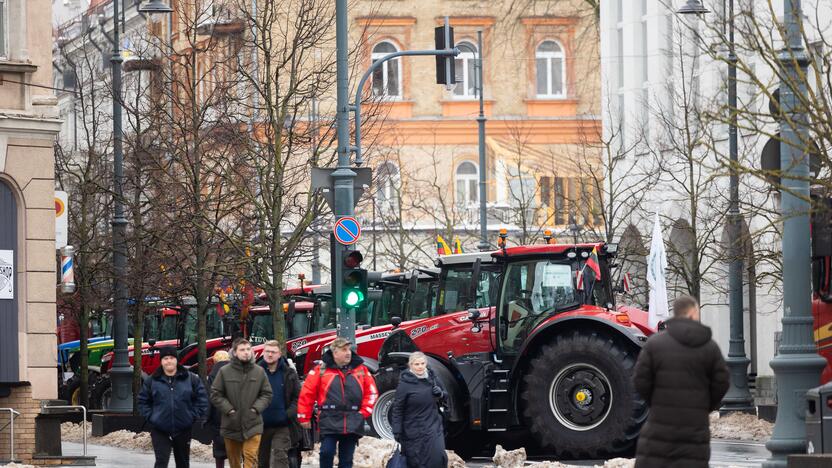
281,430
221,359
683,377
417,418
345,393
172,399
241,392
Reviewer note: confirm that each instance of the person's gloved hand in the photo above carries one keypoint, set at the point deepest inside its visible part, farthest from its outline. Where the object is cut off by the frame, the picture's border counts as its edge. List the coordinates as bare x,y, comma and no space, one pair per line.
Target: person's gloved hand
437,391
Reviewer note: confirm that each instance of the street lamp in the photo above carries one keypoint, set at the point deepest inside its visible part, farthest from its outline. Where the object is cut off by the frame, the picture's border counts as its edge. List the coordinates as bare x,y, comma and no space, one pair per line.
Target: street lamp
739,396
574,228
121,374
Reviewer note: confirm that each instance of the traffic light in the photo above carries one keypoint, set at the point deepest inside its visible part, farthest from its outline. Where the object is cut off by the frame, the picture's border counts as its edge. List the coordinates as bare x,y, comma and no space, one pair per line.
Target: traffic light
354,291
445,66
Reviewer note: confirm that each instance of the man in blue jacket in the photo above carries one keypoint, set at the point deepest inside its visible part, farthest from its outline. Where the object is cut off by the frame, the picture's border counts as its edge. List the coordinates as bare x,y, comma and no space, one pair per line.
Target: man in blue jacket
171,401
281,431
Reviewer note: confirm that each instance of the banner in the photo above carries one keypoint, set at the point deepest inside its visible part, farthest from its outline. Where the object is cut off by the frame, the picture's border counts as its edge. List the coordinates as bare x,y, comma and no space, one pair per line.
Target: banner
61,220
6,274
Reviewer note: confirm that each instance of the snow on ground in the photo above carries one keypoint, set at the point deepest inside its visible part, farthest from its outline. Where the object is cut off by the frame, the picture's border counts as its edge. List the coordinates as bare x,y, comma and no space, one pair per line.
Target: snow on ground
18,465
740,426
128,440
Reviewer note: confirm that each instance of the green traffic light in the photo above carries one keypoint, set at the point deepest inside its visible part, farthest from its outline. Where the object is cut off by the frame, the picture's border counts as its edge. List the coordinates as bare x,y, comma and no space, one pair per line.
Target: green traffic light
353,298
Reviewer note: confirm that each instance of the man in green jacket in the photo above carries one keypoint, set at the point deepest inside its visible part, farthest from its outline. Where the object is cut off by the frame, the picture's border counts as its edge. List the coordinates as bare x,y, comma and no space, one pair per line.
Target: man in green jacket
241,392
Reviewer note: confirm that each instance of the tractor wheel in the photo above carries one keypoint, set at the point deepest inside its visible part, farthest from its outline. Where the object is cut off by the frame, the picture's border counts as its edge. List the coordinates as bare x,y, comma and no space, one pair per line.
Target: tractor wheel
380,421
579,398
71,393
101,392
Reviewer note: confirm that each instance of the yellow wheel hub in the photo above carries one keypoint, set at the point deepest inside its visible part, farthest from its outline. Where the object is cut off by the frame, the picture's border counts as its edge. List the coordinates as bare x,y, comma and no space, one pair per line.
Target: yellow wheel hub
581,396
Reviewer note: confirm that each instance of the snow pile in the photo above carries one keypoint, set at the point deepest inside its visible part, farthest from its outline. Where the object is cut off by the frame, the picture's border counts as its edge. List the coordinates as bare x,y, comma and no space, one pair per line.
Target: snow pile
740,426
509,459
18,465
614,463
372,453
129,440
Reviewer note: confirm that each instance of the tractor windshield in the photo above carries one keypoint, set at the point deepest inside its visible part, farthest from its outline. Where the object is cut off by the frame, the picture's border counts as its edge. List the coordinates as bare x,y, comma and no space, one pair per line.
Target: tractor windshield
532,290
456,292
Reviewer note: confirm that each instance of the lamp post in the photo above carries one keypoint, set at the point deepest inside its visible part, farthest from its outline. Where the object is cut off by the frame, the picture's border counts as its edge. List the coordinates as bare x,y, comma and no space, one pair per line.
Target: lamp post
484,244
574,228
739,396
121,374
797,366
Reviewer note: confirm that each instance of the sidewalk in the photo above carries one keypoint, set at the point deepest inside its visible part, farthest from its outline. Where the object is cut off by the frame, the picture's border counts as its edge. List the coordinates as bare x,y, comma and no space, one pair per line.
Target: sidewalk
114,457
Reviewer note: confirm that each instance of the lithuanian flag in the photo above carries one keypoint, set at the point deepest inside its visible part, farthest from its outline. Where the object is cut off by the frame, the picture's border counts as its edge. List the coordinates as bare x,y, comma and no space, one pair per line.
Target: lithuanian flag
457,246
593,264
442,247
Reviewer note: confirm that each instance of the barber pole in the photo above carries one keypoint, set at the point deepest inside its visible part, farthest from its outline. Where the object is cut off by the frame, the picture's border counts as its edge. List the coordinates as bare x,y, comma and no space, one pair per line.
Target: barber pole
67,270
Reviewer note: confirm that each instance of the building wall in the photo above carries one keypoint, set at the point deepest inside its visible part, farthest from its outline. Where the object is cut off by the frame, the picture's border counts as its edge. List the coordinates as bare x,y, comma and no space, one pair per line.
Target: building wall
27,132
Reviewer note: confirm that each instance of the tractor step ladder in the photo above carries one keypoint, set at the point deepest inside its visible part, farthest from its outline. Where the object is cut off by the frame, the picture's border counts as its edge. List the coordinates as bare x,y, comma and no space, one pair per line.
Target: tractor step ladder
498,402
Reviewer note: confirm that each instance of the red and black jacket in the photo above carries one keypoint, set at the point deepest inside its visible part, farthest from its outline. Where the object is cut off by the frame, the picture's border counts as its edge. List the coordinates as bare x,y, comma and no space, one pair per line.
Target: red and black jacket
345,396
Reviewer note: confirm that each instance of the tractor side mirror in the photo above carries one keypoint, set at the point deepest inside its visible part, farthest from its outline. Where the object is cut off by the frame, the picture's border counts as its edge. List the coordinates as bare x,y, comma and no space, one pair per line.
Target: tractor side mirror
413,282
151,342
473,314
395,321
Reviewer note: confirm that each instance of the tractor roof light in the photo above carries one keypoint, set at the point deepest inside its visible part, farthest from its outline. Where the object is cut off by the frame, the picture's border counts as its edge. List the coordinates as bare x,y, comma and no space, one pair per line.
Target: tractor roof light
547,236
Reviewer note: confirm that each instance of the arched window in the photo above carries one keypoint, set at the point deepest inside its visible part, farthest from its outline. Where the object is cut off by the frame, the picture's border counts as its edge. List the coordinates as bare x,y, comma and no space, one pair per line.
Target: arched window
467,178
387,181
466,73
551,70
387,78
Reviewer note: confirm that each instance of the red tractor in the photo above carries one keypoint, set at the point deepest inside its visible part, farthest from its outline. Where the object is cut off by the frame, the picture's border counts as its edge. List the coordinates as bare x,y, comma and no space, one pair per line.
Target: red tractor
542,350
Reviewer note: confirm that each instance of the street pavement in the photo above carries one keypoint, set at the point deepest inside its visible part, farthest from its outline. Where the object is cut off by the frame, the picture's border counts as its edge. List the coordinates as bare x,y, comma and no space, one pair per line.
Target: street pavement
723,454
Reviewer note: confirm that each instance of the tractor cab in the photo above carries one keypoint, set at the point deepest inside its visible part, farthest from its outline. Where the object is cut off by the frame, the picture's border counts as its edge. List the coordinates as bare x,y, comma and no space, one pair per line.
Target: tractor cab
534,344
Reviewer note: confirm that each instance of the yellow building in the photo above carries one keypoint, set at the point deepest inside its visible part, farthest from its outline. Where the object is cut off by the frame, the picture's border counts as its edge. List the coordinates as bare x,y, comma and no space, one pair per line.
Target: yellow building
28,126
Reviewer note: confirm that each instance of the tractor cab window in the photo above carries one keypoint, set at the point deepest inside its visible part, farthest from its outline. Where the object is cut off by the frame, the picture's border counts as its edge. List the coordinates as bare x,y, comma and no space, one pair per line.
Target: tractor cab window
533,291
262,329
300,324
324,316
455,292
151,327
594,291
168,329
214,326
420,305
390,305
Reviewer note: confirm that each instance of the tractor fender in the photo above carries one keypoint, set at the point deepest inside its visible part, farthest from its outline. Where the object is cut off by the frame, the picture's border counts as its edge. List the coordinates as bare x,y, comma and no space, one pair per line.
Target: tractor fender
555,326
396,361
371,364
96,369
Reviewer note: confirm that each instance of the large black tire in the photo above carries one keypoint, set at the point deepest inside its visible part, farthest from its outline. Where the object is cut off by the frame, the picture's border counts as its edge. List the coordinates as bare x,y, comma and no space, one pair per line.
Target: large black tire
100,393
380,422
71,392
579,398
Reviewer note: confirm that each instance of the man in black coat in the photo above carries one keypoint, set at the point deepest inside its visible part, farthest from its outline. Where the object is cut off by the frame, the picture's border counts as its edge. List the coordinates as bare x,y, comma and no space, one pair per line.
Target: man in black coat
171,401
683,377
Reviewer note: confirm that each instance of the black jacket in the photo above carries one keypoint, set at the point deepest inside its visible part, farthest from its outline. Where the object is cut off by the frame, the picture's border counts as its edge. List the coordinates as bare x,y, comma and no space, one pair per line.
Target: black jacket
291,392
683,377
214,416
173,404
417,422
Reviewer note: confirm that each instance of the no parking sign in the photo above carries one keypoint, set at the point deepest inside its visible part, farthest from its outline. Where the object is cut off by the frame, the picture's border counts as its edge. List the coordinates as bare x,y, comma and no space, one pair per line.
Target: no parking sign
347,230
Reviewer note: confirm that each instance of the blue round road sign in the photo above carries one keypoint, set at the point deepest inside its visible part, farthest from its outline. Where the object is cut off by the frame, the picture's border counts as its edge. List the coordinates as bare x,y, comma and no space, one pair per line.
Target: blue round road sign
347,230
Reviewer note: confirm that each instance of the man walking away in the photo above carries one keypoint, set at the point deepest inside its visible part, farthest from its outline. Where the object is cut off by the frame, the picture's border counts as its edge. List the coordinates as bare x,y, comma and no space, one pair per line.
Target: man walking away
345,393
241,392
683,377
280,427
171,401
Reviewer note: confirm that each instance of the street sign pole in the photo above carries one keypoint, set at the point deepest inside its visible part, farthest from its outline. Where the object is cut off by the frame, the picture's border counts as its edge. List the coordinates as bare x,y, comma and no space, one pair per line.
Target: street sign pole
343,177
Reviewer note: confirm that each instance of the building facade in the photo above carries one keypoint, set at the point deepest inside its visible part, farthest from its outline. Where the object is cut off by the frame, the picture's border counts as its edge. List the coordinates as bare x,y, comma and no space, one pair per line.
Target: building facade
664,83
28,127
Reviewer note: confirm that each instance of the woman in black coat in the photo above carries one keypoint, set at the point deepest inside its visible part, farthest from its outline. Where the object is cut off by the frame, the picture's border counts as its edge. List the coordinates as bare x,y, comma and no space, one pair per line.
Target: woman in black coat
417,421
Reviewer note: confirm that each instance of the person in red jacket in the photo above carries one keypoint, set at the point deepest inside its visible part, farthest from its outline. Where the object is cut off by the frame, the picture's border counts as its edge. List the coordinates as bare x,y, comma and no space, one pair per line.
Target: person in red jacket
345,393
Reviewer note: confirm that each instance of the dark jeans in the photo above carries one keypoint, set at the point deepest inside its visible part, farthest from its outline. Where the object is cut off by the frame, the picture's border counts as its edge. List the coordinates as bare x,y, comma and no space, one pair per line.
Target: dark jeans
346,449
163,442
274,447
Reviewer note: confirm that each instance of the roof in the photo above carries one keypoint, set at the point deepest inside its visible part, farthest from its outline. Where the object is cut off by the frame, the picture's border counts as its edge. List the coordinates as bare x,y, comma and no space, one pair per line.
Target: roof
464,258
550,249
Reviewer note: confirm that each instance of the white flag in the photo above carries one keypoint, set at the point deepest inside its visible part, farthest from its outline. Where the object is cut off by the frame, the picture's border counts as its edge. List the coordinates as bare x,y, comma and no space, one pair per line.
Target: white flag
656,265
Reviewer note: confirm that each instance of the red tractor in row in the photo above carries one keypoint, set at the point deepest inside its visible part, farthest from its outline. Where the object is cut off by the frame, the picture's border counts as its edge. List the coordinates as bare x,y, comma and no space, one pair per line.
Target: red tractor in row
526,340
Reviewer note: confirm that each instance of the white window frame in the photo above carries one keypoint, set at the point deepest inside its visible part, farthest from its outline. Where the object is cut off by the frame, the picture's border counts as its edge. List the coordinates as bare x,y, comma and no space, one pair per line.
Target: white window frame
549,57
468,53
387,196
385,71
469,196
4,29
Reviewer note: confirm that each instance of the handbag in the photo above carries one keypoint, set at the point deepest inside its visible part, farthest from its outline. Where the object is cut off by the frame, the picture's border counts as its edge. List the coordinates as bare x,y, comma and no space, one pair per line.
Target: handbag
398,460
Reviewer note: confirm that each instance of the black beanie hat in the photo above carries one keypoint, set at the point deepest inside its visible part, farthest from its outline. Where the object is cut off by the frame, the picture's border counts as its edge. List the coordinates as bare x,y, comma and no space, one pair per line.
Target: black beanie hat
167,351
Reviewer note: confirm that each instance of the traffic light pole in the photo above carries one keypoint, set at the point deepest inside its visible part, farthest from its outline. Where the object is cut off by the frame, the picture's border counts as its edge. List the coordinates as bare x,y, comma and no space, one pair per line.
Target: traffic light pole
343,177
